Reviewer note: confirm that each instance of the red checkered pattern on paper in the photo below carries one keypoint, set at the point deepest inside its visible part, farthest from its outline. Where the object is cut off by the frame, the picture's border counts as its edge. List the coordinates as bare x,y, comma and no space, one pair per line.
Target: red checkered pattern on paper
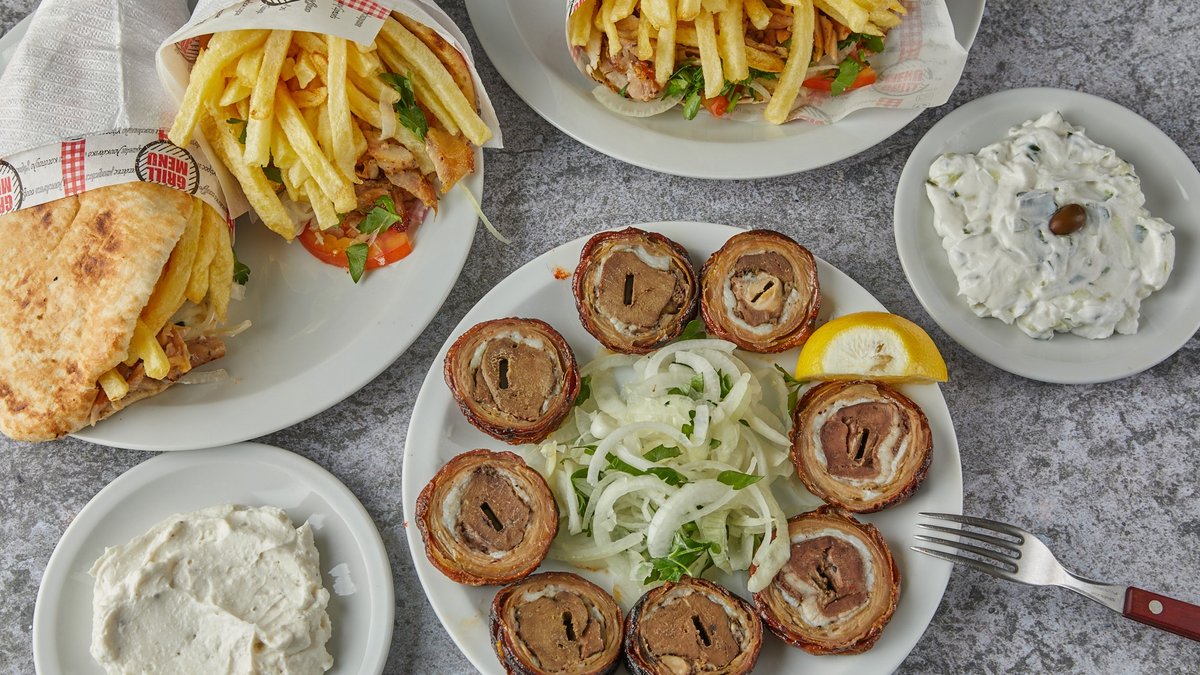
367,7
72,167
910,31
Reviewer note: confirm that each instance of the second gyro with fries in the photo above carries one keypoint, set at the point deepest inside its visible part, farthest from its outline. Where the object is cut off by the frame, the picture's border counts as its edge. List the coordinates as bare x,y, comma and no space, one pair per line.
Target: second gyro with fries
346,145
650,55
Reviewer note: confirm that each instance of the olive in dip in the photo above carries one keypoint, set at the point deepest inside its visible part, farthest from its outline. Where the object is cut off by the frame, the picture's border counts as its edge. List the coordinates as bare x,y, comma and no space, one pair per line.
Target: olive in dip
691,626
486,518
860,444
514,379
556,623
634,290
838,589
760,291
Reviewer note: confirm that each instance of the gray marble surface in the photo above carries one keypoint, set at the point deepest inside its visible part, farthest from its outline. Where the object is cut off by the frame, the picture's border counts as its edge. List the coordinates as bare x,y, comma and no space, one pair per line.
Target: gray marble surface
1108,473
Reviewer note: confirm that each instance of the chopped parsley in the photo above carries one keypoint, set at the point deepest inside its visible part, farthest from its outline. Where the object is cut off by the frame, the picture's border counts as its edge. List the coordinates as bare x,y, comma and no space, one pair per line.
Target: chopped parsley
662,452
242,134
407,110
738,480
381,217
356,260
585,390
241,271
694,330
793,386
686,551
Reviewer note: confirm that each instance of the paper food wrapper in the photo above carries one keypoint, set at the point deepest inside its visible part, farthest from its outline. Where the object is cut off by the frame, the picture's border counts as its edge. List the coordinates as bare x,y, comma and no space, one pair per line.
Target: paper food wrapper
919,68
356,20
83,108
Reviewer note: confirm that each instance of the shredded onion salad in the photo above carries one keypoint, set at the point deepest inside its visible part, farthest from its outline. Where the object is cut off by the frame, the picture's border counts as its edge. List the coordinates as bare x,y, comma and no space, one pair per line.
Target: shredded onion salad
665,465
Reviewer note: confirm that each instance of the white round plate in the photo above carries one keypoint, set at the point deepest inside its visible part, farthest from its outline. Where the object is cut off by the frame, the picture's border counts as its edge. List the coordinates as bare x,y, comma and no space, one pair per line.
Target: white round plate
526,41
361,604
438,431
1172,186
317,337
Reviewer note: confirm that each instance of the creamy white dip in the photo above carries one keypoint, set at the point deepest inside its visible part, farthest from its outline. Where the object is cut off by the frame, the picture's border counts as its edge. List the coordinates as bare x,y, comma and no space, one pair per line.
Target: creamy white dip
227,589
993,208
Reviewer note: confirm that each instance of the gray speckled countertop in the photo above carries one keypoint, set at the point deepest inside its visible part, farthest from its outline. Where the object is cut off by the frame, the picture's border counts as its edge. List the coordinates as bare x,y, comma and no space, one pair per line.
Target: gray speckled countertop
1108,473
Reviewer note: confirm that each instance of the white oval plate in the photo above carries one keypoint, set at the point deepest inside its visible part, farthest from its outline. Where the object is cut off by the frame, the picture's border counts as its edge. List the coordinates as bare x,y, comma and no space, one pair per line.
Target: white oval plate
438,432
1172,185
361,605
317,337
525,40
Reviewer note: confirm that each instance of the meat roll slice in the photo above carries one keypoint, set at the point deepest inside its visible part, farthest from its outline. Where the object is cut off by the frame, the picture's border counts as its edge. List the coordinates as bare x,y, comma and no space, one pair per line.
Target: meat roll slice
860,444
486,518
556,623
760,291
690,627
839,588
635,290
514,379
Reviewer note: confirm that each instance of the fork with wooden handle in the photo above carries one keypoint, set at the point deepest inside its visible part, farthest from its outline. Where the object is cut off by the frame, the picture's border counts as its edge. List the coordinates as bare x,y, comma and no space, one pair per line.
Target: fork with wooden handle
1017,555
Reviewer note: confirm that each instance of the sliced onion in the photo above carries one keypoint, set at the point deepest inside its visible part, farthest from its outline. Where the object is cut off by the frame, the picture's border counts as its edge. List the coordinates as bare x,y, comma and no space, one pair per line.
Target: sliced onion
629,108
487,223
204,377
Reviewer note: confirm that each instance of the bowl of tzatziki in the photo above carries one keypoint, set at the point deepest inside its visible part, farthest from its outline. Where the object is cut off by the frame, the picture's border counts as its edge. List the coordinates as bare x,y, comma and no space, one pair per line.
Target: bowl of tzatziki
1052,233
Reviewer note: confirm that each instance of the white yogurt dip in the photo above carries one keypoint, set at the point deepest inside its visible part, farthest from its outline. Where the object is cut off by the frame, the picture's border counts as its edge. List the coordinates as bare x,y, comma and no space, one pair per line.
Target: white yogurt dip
227,589
993,210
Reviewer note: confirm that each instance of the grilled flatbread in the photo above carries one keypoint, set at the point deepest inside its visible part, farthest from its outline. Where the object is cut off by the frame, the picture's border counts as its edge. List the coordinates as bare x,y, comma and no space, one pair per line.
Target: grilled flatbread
77,273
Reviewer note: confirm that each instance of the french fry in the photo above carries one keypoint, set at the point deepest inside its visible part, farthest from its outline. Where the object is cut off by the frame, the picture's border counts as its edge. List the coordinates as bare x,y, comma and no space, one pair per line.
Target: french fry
579,26
255,185
365,64
205,250
171,289
311,43
759,15
689,10
660,13
767,62
220,273
664,51
716,6
306,71
333,184
310,98
247,67
206,82
732,42
796,67
288,71
846,13
262,99
234,91
645,46
339,107
322,207
144,346
423,91
115,387
621,9
710,57
443,85
609,25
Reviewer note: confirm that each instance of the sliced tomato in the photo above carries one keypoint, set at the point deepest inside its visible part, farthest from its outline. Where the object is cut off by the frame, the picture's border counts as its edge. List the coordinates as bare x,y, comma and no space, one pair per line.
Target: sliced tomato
717,105
824,81
330,247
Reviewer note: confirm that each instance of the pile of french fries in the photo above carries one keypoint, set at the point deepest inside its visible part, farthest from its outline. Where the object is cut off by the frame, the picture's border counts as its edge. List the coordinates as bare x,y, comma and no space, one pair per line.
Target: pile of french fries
304,99
199,270
669,30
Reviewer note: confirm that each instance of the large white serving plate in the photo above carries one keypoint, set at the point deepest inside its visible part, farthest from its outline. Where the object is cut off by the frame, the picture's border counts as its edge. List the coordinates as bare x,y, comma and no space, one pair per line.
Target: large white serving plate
354,564
438,432
317,337
525,40
1171,183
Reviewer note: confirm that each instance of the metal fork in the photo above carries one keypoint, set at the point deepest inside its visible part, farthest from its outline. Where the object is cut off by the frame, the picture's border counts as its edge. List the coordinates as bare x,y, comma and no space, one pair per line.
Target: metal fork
1029,561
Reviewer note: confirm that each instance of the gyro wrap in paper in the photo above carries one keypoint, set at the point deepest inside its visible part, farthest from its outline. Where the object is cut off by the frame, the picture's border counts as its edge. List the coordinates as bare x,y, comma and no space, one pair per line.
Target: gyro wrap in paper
919,68
83,108
356,20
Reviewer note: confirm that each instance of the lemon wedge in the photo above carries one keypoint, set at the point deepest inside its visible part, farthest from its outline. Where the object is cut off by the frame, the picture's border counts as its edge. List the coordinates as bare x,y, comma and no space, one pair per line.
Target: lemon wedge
873,345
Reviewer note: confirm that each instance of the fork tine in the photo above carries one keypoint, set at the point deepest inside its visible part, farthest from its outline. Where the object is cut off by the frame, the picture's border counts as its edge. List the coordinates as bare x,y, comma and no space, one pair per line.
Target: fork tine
982,523
969,562
1006,561
994,541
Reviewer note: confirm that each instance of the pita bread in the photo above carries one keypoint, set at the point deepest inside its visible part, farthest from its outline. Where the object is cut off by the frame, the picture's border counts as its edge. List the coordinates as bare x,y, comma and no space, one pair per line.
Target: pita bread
77,273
